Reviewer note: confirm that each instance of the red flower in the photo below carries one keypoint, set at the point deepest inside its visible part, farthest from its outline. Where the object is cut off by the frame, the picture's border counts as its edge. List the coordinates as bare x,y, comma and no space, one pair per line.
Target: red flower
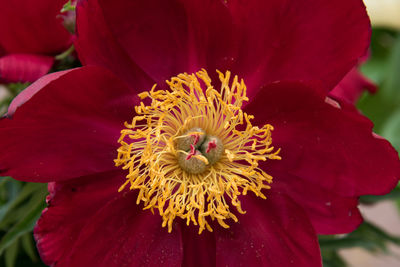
66,129
31,34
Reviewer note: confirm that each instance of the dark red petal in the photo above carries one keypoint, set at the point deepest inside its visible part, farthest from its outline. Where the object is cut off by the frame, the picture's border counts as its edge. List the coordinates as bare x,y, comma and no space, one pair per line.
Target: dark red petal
27,93
24,67
68,128
30,26
299,40
273,232
352,86
122,234
262,41
71,205
99,47
198,250
329,146
328,212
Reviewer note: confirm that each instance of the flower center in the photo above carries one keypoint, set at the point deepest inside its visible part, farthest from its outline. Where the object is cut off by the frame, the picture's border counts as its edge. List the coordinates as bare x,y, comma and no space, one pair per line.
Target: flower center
192,151
197,150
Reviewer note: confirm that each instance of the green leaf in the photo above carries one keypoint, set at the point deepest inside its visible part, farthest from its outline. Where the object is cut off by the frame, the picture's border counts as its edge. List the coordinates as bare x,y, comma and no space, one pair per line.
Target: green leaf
11,254
24,225
332,259
29,246
27,190
367,236
391,129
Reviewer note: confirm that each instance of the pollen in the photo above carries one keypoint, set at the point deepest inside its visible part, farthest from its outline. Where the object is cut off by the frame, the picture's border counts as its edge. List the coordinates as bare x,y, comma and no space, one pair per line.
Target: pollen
191,151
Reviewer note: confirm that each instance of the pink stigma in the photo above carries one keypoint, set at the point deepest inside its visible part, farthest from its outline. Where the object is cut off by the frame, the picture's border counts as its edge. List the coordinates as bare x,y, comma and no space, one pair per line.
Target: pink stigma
212,144
192,152
196,138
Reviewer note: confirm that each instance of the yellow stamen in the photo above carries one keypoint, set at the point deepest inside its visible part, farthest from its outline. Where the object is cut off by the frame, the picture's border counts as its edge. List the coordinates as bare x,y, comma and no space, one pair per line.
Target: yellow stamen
149,150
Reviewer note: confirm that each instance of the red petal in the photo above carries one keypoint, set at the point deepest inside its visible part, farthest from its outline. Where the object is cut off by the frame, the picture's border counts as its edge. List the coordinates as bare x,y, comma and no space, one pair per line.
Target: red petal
198,250
27,94
328,212
262,41
328,146
122,234
352,86
299,40
71,206
273,232
24,67
98,47
30,26
68,128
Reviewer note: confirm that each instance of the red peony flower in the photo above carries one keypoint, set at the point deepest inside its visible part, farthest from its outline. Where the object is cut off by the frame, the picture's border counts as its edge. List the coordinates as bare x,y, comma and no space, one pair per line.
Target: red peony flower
32,33
199,154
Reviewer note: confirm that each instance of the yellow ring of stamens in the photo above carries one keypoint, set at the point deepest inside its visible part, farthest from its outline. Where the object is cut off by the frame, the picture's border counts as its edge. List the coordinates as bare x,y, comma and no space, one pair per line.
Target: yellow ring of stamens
149,150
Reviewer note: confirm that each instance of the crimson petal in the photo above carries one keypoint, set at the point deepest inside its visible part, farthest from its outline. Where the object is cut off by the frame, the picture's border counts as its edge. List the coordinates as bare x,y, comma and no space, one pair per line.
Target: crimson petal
97,47
198,250
328,144
68,128
329,212
71,205
352,86
263,41
122,234
273,232
30,26
24,67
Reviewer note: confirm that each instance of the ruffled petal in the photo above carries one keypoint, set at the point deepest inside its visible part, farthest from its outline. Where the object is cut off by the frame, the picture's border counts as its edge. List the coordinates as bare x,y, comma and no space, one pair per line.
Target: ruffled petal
30,26
24,67
325,142
68,128
71,205
262,41
329,212
122,234
273,232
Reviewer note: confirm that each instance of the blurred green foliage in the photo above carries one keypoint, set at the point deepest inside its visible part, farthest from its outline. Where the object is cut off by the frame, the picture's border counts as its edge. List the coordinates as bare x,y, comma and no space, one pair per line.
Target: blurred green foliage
20,206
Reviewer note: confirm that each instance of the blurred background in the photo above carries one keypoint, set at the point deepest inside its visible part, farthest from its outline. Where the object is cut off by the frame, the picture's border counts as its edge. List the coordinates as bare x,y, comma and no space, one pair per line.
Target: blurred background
376,243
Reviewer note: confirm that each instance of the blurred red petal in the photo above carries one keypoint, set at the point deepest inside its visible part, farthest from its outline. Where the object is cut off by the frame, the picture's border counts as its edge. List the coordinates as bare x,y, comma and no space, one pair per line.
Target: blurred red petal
352,86
24,67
